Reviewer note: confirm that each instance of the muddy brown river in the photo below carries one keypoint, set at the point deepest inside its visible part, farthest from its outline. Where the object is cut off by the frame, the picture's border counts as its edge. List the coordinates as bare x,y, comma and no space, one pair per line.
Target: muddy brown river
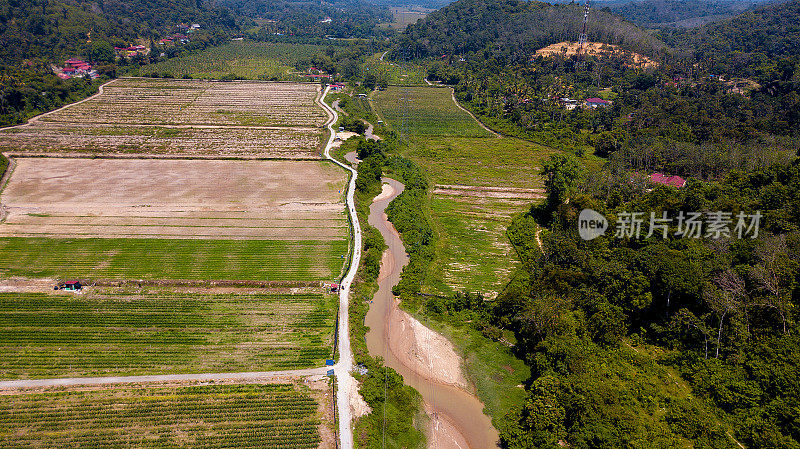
456,415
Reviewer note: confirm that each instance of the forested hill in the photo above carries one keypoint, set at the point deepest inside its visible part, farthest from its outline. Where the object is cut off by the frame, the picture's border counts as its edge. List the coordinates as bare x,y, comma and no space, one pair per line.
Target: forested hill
348,18
515,29
58,29
752,37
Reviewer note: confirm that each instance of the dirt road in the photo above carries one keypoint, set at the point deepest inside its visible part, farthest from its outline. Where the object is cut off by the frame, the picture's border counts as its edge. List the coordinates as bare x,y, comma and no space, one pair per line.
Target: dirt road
347,390
159,378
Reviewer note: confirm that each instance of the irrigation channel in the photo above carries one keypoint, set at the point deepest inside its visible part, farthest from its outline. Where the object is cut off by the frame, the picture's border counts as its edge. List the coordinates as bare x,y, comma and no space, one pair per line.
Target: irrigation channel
453,410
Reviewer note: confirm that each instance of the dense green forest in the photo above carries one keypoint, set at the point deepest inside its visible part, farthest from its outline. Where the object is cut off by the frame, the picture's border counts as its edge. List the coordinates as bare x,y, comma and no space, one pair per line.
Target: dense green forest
682,13
758,37
347,19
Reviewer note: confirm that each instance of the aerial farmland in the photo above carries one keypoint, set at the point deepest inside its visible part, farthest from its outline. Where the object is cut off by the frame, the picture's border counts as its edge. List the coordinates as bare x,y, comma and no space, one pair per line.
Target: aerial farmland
202,225
180,117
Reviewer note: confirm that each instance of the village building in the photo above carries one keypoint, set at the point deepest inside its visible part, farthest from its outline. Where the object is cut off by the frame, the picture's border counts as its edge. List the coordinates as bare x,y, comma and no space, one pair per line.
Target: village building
666,180
594,103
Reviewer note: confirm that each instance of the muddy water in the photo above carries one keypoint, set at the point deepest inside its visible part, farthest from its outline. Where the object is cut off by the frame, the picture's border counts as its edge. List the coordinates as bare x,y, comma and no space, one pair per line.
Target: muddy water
453,410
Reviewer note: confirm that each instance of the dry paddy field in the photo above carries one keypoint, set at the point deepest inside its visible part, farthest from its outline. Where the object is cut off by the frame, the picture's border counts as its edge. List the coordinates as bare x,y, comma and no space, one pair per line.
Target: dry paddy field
181,117
173,198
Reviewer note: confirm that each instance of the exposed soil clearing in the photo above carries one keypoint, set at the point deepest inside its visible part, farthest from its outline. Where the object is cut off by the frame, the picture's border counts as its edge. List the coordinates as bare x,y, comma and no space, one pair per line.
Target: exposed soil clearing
595,48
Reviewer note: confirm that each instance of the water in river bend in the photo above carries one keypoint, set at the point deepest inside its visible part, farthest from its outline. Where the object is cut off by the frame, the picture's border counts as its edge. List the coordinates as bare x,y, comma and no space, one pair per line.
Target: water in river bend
451,408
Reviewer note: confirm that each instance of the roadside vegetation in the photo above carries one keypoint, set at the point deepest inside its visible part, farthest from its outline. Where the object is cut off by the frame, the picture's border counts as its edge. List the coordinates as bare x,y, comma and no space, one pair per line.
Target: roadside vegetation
381,387
209,416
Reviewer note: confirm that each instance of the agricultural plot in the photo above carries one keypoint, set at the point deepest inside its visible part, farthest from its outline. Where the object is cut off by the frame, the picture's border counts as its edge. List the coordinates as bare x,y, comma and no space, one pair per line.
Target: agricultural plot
473,253
173,219
189,117
394,73
205,199
97,334
203,416
156,259
479,180
425,112
244,59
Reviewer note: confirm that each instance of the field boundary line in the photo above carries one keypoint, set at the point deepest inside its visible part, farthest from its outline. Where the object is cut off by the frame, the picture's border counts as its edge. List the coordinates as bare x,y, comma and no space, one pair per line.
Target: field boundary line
453,96
63,155
158,378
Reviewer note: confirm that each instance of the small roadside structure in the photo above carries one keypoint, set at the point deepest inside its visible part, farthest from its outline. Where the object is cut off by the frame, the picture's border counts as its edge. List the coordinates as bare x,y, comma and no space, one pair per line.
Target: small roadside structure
666,180
334,288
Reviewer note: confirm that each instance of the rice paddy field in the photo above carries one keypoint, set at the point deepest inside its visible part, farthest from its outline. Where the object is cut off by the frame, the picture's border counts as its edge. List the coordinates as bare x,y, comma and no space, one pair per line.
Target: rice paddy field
201,416
174,198
473,253
55,334
244,59
155,259
181,117
425,112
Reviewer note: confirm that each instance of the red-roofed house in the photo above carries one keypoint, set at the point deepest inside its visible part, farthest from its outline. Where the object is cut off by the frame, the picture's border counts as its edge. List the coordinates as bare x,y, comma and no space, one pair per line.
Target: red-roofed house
73,62
596,102
671,181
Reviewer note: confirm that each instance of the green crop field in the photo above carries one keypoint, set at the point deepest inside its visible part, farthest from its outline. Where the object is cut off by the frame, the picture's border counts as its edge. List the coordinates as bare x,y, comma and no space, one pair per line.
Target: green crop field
244,59
472,251
428,111
56,335
98,258
211,416
506,162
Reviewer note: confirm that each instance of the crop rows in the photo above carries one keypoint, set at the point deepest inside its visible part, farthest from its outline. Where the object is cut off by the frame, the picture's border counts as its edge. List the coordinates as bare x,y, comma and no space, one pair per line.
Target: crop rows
171,117
281,142
44,335
191,102
426,111
263,416
133,258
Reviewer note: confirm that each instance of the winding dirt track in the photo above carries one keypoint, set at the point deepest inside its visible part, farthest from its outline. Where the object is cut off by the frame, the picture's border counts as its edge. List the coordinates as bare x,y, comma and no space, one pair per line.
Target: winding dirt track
346,390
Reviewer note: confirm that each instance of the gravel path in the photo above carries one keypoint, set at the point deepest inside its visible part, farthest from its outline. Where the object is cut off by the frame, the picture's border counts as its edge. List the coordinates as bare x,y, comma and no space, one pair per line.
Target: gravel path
346,386
159,378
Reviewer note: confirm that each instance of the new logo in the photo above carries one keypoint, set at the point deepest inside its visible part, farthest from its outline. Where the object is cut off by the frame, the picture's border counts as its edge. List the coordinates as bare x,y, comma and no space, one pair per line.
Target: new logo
591,224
